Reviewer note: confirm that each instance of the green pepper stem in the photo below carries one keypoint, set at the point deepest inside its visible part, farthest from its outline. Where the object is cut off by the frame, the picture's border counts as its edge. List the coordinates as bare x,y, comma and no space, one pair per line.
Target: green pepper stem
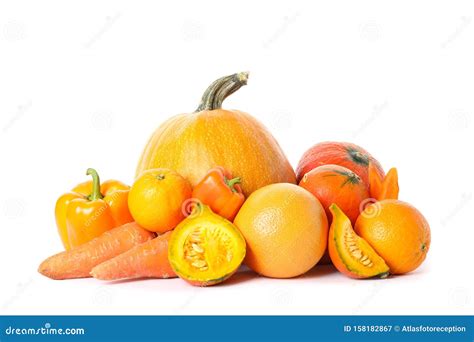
216,93
95,194
231,182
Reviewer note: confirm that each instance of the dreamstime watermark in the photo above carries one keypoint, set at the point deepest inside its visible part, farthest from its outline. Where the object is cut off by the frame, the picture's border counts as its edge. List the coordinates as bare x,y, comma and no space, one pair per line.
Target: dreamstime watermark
370,31
109,22
458,120
282,28
193,31
460,297
14,208
465,21
370,208
103,208
377,111
189,299
20,112
104,296
47,329
465,199
19,291
98,213
14,31
192,207
281,120
102,121
281,297
367,298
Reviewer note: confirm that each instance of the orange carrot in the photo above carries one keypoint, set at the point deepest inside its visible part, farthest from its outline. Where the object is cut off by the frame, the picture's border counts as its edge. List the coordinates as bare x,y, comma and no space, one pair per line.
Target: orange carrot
390,185
386,188
375,182
78,262
148,260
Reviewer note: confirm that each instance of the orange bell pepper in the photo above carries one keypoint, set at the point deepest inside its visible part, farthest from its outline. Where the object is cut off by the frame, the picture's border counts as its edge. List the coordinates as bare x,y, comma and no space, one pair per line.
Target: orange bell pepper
90,209
221,192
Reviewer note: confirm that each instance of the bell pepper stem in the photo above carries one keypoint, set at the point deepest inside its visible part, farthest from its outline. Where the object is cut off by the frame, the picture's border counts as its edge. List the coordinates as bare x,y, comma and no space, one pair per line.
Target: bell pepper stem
95,194
231,182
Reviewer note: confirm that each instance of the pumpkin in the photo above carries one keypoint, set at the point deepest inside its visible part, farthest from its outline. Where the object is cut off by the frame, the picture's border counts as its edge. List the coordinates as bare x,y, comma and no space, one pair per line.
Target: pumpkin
336,184
193,143
351,254
205,249
345,154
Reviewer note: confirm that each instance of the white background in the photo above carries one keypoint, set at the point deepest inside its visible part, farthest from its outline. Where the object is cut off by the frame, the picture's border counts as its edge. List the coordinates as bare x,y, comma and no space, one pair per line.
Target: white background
84,85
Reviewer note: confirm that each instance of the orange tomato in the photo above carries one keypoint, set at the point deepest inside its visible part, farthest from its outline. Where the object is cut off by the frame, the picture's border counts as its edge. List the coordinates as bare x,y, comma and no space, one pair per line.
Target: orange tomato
156,199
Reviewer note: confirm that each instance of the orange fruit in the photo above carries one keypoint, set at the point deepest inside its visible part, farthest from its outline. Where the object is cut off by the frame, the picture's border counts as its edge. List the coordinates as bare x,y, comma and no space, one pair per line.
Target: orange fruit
285,228
156,199
397,231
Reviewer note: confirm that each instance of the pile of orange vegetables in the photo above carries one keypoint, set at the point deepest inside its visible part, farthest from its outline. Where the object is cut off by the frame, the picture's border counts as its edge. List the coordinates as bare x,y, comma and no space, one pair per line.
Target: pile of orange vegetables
214,190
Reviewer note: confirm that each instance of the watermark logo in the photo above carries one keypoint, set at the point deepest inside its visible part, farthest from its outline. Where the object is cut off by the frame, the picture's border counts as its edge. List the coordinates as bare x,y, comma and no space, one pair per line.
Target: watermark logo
193,31
109,23
14,208
102,121
192,208
459,120
20,112
376,112
14,31
281,29
370,208
465,21
46,329
370,31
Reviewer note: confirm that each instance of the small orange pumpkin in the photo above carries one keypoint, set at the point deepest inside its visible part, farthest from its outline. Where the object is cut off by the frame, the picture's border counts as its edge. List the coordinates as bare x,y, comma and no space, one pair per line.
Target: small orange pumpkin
350,253
349,155
193,143
336,184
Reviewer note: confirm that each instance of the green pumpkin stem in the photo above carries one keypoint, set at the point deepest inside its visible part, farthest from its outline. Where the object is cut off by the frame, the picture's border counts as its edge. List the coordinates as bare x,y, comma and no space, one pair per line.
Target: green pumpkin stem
95,194
217,92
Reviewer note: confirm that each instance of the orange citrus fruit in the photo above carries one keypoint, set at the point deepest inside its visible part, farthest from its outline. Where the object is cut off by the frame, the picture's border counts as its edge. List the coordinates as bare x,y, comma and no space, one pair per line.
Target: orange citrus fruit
398,232
286,230
156,199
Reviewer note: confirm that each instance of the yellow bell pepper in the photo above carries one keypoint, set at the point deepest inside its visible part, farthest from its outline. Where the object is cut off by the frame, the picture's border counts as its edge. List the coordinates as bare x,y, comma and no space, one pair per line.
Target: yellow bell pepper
90,209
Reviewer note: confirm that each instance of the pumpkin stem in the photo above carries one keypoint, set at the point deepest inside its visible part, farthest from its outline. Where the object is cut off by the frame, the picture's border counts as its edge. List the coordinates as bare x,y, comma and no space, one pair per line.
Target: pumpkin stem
216,93
95,194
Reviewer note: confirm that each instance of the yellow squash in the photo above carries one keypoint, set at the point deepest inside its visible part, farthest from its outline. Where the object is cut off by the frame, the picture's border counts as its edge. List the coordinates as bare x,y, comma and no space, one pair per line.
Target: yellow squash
193,143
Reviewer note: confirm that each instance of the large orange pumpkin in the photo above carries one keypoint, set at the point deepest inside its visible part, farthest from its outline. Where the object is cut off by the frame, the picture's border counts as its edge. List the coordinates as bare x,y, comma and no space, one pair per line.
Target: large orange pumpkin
349,155
193,143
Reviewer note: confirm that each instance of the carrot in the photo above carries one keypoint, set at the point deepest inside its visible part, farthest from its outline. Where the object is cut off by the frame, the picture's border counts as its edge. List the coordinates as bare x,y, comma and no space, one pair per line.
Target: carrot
383,188
148,260
78,262
375,182
390,185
